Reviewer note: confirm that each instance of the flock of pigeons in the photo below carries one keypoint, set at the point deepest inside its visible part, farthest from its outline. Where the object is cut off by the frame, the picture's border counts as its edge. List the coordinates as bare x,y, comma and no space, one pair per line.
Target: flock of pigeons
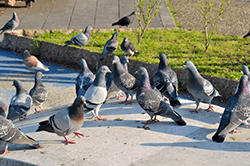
93,90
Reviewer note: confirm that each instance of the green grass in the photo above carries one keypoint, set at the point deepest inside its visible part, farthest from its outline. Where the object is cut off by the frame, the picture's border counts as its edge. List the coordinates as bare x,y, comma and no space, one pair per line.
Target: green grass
225,57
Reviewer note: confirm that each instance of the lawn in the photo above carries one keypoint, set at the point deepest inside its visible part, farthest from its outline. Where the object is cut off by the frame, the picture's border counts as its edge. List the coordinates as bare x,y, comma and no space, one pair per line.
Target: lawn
225,56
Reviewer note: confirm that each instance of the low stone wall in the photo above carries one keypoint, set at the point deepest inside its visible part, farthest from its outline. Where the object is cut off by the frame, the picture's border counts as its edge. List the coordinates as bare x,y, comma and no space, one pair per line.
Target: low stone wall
71,56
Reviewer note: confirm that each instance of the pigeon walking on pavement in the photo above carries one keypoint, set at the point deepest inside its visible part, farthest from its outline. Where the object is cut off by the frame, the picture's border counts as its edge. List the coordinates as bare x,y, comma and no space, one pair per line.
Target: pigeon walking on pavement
39,92
84,79
66,121
20,103
125,21
236,112
152,102
9,134
33,63
198,87
124,80
81,39
128,47
3,108
11,24
96,94
165,80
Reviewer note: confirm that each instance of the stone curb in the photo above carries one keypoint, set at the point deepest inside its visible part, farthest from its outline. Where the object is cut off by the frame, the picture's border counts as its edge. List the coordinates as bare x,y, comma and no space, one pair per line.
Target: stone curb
71,56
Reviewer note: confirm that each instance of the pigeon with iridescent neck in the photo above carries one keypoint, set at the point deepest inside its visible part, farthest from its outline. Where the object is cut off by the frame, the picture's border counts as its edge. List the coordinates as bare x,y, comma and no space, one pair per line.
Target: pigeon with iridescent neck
236,112
152,102
110,46
125,21
33,63
81,39
3,108
11,24
200,88
128,47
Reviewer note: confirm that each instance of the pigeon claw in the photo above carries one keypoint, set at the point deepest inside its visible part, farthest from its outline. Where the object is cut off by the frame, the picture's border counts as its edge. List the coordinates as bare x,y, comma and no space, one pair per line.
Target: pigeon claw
123,102
25,117
236,131
210,108
131,102
100,118
78,134
195,111
5,151
68,142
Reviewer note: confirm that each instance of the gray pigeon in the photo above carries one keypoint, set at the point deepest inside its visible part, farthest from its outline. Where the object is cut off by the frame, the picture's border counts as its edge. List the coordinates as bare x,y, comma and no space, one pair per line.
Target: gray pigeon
124,80
236,112
39,92
126,20
11,24
166,81
245,71
3,108
84,79
9,134
128,47
66,121
110,46
20,103
81,39
113,90
96,94
151,101
198,87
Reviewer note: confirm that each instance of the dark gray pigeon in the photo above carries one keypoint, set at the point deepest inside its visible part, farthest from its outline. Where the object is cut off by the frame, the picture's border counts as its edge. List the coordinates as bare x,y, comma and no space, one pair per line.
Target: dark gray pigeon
128,47
3,108
9,134
245,71
124,80
66,121
165,80
236,112
151,101
110,46
198,87
39,92
125,21
20,103
11,24
84,79
81,39
96,94
113,90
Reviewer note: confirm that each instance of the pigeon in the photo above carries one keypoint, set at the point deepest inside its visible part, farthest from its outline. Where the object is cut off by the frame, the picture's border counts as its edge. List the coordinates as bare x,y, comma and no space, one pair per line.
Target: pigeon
96,94
33,63
110,46
236,112
245,71
124,80
125,21
151,101
128,47
81,39
198,87
66,121
20,103
3,108
84,79
111,87
165,80
9,134
39,92
11,24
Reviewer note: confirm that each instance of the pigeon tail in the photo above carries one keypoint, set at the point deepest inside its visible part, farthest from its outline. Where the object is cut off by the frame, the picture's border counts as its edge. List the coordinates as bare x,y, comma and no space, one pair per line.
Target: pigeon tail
67,43
35,145
45,126
217,138
175,103
175,116
115,23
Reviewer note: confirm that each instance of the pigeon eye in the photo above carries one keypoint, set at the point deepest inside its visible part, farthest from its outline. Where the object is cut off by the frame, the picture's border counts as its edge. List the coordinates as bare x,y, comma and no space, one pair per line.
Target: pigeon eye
139,70
187,63
104,69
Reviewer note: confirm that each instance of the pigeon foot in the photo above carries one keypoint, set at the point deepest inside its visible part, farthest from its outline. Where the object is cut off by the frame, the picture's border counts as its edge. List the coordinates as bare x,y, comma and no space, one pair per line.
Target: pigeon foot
123,102
5,151
25,117
68,142
100,118
78,134
247,125
195,111
210,108
236,131
131,102
119,96
153,121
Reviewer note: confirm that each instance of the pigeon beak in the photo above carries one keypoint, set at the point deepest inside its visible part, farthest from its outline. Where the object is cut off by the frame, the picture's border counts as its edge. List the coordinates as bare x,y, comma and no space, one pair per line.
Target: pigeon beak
136,72
108,71
184,67
113,61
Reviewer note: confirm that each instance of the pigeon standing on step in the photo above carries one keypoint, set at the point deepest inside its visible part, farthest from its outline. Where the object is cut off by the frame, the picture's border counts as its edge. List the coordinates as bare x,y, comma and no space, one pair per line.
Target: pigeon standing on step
151,101
125,21
9,134
84,79
20,103
200,88
96,94
81,39
39,92
66,121
32,62
3,108
236,112
11,24
128,47
124,80
166,81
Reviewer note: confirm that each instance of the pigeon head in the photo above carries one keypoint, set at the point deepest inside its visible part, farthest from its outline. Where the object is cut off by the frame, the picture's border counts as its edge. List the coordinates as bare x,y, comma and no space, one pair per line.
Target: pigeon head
26,53
15,17
245,70
191,68
243,86
79,101
88,28
125,39
114,37
142,71
84,65
39,75
124,60
19,86
163,61
103,69
115,59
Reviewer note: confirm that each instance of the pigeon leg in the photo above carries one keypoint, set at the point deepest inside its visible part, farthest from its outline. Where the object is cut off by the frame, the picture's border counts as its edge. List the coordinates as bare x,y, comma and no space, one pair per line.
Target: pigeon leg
131,102
197,105
78,134
123,102
68,142
5,150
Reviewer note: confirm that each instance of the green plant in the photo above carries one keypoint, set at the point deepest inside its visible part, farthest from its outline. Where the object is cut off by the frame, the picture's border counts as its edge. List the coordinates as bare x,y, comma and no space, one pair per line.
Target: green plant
146,13
210,23
36,44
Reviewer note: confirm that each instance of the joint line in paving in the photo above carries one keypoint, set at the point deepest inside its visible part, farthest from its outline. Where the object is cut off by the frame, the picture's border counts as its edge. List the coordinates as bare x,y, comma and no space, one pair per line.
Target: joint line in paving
72,14
53,3
119,9
95,12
